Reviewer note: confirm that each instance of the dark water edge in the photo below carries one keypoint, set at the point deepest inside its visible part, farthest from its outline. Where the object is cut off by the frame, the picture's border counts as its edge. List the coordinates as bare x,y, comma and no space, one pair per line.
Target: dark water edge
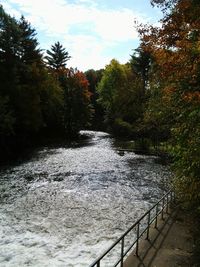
136,146
25,148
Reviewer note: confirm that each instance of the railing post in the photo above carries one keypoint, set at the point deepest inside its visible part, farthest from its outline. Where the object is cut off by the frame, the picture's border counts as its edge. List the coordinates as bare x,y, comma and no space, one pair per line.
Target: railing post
171,199
148,223
156,223
163,205
137,241
167,209
174,197
122,252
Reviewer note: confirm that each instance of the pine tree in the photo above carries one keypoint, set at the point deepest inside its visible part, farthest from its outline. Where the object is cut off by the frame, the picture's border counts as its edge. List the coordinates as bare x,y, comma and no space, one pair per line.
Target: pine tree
57,57
10,36
141,63
29,51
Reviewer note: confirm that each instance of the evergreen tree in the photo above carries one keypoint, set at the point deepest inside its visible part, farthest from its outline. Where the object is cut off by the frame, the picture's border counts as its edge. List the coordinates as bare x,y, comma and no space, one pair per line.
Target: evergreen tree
57,57
26,89
141,63
29,51
10,36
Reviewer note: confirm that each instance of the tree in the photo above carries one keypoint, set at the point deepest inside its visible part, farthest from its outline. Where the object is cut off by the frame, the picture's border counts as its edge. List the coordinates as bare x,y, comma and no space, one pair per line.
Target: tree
76,96
51,103
113,78
77,110
141,63
30,99
175,47
29,52
20,61
10,36
121,95
57,57
94,77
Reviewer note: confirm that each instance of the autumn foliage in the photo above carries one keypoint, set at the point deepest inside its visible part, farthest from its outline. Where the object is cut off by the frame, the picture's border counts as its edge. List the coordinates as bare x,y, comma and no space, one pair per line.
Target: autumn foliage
77,108
175,47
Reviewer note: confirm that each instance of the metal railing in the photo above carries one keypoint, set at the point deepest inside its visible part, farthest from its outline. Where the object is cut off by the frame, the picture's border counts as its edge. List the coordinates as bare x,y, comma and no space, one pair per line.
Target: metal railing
140,227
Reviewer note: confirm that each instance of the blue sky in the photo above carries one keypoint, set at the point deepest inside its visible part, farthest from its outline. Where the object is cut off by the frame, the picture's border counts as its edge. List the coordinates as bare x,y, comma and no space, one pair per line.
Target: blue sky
92,31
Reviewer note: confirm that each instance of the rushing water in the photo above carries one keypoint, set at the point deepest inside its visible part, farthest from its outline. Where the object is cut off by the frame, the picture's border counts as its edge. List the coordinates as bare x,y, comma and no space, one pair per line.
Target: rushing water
65,205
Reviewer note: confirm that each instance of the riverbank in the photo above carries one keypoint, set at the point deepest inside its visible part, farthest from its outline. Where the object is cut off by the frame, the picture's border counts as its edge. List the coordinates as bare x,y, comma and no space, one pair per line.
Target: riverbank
172,244
24,149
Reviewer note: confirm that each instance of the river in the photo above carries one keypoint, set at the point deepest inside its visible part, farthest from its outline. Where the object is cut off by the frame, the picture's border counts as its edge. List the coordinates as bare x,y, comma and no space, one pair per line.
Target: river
65,205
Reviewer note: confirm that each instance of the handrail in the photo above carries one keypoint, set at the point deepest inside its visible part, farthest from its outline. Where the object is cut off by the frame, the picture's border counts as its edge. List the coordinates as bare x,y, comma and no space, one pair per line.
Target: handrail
165,201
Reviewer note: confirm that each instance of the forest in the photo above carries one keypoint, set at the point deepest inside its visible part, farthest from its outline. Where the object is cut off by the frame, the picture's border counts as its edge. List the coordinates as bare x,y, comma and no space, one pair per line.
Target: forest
154,98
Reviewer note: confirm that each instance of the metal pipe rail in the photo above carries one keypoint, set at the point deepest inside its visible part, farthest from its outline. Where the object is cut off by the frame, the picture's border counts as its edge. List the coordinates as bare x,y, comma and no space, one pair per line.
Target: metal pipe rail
161,207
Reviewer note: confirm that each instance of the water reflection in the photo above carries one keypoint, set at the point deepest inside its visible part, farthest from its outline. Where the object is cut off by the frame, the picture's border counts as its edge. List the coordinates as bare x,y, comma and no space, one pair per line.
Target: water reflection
65,205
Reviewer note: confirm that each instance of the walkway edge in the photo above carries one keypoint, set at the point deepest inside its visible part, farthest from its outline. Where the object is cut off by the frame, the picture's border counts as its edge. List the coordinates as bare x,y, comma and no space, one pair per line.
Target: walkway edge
170,244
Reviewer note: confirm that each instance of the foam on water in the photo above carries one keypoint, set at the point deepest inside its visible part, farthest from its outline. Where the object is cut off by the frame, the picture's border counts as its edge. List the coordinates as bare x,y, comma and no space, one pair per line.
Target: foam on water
66,205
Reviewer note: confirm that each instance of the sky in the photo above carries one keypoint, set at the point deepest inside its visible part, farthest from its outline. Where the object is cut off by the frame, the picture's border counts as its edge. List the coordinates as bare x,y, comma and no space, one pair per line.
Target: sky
92,31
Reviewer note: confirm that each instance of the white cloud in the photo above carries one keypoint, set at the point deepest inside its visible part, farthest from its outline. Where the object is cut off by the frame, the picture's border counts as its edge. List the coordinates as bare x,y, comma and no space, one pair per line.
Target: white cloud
10,10
64,21
86,51
86,2
57,17
116,25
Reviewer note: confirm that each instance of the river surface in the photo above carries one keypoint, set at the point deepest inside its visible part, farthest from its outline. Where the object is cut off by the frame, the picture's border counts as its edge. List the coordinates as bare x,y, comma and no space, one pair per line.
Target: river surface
65,205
